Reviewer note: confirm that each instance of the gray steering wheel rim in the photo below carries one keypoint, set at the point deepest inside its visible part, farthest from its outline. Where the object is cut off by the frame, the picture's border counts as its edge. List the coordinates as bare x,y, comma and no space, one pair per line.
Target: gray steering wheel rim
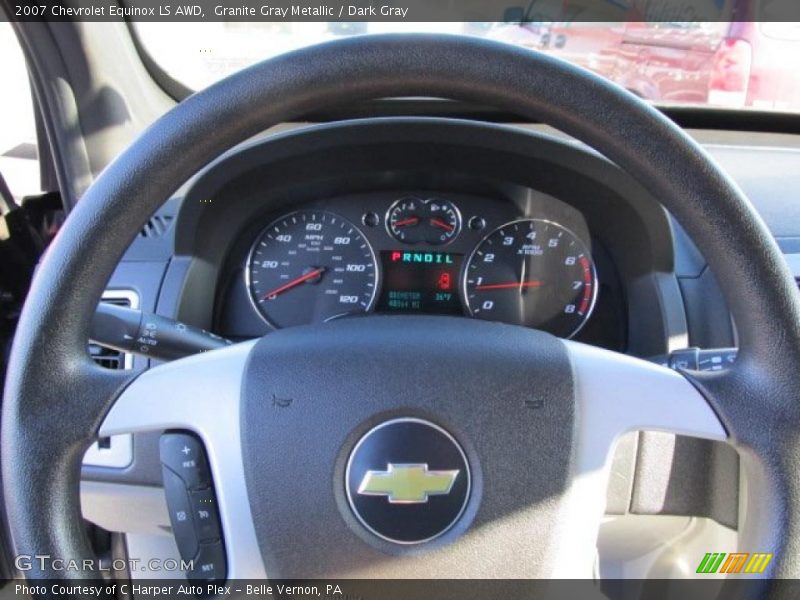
56,397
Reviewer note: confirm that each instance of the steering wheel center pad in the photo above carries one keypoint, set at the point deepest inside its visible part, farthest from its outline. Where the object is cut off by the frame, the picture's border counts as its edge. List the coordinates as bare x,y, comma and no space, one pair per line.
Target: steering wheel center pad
505,393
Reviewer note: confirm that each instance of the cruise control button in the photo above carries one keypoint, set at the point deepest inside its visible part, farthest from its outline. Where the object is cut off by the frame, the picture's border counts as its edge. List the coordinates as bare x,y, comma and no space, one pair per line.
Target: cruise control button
204,506
209,564
180,514
184,454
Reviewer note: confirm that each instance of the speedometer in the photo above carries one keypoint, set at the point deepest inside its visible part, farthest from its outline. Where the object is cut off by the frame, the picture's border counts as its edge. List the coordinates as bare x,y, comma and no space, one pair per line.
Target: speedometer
532,272
311,266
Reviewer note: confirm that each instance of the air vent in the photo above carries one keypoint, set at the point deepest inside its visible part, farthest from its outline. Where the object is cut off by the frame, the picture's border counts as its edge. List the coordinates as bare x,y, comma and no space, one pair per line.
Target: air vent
157,226
106,357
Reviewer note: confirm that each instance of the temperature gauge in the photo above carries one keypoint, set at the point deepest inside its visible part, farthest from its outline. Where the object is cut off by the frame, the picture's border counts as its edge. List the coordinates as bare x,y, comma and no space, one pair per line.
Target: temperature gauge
414,220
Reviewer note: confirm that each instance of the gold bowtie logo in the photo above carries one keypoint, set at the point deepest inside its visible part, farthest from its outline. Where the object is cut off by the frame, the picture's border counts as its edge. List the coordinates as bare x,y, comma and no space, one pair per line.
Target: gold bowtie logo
407,484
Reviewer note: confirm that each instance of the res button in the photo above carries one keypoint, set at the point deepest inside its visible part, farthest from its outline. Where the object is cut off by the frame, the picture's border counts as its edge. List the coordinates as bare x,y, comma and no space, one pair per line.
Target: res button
184,455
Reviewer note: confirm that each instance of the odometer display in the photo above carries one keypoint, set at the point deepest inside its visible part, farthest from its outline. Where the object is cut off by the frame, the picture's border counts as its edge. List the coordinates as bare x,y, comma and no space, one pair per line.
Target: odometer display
534,273
310,266
420,282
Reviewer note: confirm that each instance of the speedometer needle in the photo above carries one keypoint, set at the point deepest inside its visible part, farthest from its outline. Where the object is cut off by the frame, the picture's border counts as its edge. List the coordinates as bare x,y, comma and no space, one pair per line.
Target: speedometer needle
294,282
509,286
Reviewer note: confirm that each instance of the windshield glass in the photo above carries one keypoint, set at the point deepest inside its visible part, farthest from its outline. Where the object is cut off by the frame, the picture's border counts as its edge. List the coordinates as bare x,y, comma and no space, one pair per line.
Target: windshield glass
720,64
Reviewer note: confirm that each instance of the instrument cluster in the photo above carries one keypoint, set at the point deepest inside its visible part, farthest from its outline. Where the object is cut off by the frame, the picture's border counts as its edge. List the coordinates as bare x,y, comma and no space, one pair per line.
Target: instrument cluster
413,253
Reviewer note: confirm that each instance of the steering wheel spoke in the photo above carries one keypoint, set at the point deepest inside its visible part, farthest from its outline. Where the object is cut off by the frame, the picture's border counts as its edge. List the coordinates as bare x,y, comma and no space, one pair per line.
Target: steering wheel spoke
617,394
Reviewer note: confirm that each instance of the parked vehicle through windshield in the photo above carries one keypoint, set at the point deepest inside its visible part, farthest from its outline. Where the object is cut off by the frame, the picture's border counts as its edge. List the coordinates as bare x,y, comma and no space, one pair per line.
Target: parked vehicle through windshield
720,64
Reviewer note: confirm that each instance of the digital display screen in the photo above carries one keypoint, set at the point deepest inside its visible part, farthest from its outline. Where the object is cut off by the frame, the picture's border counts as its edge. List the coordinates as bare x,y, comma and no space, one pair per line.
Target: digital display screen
424,282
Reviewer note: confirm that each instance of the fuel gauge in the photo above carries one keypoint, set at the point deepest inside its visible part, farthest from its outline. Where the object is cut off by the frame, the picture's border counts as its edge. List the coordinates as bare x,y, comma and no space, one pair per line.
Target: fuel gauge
415,220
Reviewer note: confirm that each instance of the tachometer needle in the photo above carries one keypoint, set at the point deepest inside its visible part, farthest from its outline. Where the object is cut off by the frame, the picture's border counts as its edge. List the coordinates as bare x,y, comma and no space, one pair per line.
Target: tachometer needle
436,222
517,285
406,222
294,282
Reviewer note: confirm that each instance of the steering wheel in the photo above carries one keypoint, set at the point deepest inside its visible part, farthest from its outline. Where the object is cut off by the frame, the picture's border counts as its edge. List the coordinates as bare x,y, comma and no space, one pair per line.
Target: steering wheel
532,418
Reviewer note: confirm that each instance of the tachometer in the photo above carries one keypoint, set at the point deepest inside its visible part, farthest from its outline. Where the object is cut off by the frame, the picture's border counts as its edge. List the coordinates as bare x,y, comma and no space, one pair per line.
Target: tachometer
310,266
532,272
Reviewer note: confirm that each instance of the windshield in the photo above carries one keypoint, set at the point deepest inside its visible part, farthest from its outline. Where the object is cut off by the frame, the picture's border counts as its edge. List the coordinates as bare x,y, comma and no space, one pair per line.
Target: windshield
721,64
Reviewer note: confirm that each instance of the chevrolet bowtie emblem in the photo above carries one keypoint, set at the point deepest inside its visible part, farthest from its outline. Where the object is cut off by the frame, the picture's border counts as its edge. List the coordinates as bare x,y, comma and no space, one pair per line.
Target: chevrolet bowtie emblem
407,484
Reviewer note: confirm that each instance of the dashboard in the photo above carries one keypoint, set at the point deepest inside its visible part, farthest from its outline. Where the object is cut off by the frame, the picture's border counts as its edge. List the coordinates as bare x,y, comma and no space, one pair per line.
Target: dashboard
211,257
417,251
436,217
